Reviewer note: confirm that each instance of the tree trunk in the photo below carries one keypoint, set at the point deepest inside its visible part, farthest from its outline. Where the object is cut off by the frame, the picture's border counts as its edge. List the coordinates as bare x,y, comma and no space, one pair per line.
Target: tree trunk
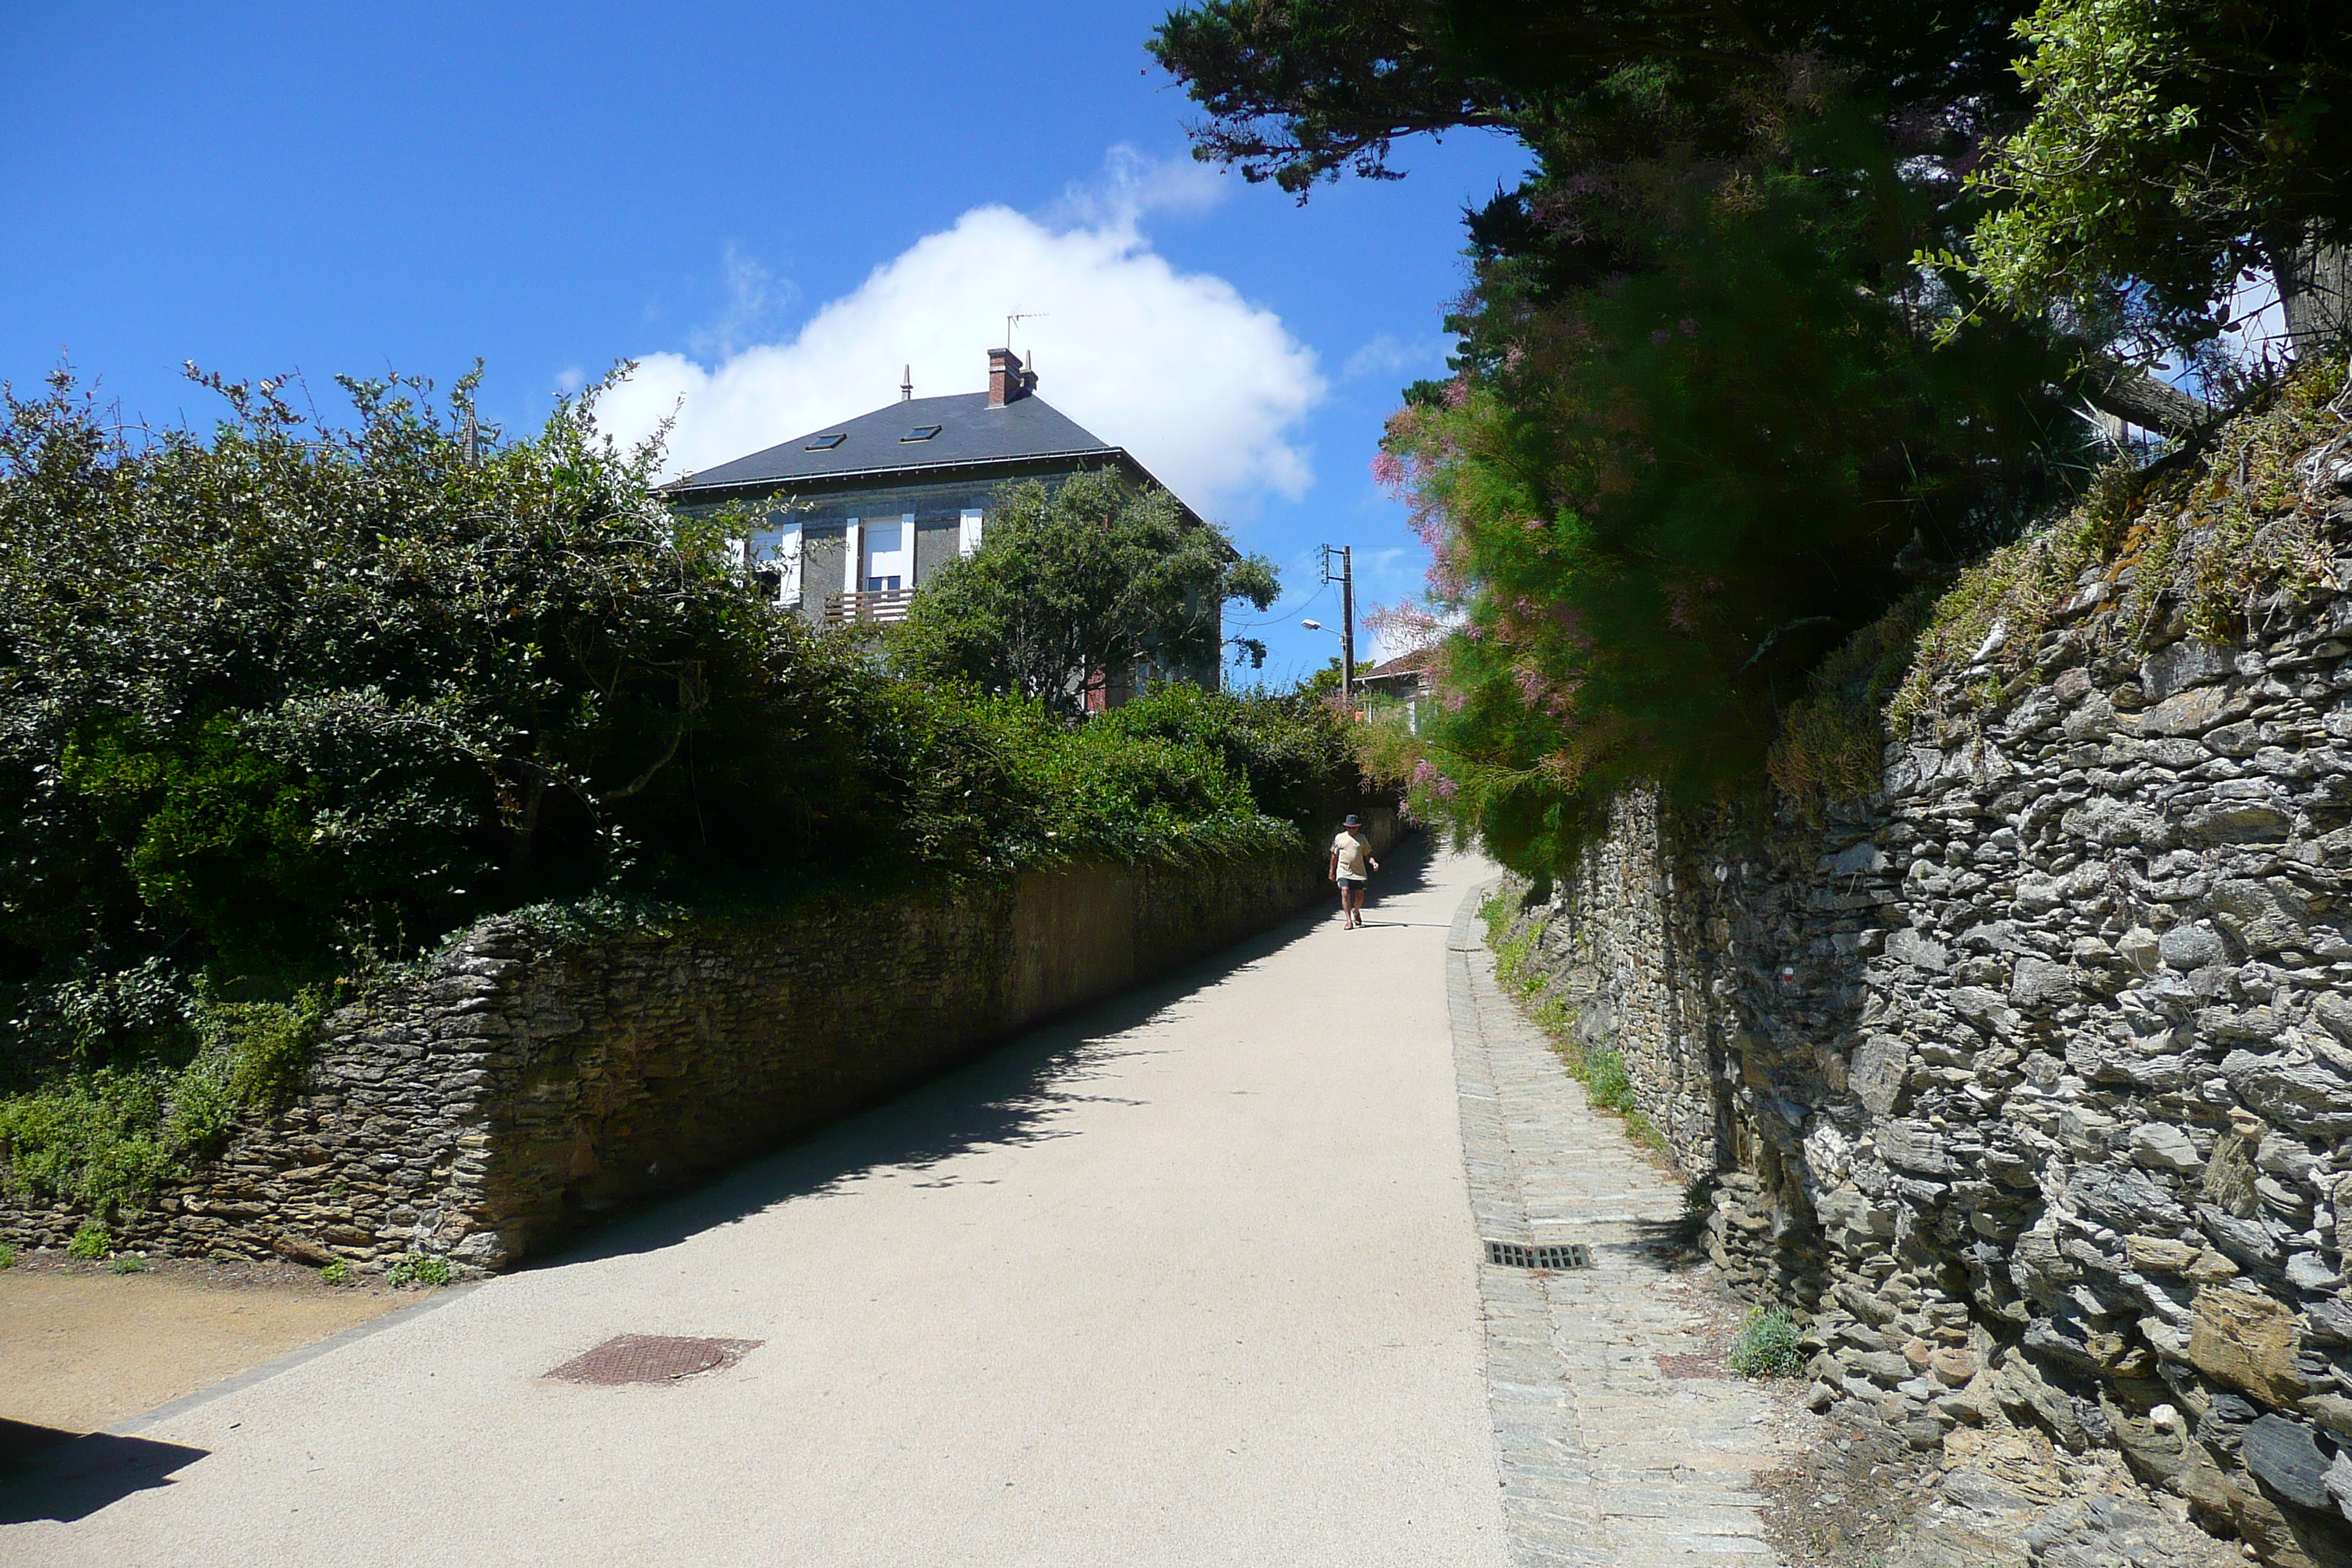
2140,399
2315,286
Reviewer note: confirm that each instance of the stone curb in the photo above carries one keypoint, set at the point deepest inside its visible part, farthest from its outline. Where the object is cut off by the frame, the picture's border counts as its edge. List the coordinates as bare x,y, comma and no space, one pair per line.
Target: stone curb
1603,1460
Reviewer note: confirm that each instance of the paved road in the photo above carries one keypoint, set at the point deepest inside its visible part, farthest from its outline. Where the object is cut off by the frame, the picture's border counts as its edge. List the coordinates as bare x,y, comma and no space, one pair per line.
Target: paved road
1190,1280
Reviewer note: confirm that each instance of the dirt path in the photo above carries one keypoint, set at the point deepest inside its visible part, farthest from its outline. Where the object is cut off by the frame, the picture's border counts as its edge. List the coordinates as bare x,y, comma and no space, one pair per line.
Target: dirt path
85,1347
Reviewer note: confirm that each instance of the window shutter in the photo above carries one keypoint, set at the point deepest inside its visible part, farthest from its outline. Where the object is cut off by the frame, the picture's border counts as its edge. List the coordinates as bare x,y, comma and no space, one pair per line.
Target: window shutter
853,556
968,539
788,567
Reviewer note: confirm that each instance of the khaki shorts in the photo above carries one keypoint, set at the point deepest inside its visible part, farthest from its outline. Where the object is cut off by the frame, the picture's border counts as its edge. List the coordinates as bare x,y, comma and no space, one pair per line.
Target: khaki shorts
1347,881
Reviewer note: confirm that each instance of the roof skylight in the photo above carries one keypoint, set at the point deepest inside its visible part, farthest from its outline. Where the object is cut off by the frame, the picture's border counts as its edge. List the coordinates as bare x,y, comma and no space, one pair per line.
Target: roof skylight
921,433
826,443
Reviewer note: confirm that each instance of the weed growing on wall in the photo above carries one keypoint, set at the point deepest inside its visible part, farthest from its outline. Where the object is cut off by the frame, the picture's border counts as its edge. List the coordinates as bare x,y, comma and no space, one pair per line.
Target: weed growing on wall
1512,933
419,1268
2195,546
90,1243
1767,1346
115,1134
336,1273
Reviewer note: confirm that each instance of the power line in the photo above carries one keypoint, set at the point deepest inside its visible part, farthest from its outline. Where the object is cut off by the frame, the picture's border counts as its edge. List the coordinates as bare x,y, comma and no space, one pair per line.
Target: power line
1274,615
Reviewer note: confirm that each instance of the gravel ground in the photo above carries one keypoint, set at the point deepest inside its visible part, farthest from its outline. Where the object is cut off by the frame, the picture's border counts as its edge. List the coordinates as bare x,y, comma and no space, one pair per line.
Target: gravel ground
1848,1495
85,1346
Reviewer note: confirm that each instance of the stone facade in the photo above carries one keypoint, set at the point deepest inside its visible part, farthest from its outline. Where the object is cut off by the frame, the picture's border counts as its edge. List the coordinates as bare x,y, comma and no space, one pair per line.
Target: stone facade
2031,1079
531,1078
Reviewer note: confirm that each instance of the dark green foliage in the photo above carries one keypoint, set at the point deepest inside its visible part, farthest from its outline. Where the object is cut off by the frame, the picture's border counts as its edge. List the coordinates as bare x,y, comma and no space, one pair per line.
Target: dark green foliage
1087,577
282,691
1293,753
1299,90
1711,414
1832,740
2173,145
1657,504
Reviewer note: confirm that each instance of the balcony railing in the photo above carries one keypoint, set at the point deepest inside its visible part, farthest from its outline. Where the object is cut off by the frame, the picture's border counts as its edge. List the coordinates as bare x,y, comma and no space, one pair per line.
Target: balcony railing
881,608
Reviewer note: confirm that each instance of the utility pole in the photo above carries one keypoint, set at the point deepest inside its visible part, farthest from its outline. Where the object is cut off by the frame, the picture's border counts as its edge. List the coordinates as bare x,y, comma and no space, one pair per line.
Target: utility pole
1346,580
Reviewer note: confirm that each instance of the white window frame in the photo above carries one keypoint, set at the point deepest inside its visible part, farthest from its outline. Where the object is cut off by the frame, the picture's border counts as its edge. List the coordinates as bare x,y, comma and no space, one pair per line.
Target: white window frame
853,556
970,527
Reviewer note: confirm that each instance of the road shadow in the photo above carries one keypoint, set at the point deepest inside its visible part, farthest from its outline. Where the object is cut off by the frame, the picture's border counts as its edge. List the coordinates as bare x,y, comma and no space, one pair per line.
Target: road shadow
1670,1245
58,1475
1010,1096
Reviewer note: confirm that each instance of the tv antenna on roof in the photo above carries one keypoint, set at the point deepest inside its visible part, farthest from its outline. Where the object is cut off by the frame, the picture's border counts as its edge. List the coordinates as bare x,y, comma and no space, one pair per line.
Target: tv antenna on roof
1020,316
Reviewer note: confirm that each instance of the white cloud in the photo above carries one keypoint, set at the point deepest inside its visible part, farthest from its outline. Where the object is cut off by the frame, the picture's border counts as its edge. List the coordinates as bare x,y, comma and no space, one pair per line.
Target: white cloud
755,297
1384,355
1204,388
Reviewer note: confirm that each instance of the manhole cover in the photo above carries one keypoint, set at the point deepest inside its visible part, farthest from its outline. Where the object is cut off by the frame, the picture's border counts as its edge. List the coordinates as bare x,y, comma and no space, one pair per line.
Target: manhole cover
1692,1366
1550,1255
652,1358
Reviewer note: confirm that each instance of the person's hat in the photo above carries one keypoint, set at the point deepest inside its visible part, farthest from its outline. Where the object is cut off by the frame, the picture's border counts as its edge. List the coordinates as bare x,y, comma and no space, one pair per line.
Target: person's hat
1352,821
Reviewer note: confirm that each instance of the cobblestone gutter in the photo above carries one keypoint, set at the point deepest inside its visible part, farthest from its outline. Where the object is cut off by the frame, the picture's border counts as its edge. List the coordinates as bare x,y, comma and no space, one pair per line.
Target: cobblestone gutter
533,1078
2033,1080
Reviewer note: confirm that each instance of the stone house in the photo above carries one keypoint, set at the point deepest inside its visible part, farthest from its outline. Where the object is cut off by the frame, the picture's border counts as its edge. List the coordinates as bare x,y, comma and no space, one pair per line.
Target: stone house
857,517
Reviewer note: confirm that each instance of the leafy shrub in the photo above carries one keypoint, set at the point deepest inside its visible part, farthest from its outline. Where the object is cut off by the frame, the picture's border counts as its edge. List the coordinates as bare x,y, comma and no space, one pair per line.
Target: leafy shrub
1296,754
284,693
90,1243
1767,1346
94,1137
1091,574
7,1257
419,1268
129,1263
336,1273
116,1133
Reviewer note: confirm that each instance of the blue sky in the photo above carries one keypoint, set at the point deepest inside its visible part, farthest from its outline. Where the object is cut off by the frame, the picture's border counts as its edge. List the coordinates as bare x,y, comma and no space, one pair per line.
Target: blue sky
769,205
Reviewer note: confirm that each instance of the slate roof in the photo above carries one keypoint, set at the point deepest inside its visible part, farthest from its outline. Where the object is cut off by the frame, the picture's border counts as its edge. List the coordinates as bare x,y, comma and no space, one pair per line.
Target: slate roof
972,435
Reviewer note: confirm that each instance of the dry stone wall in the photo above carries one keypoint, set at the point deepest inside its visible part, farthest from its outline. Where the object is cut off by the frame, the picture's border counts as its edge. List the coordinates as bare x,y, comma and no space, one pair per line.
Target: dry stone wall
533,1078
2032,1080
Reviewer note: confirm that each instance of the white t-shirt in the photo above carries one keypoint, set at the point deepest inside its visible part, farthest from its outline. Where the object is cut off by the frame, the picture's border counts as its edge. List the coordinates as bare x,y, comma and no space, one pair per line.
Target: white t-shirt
1353,853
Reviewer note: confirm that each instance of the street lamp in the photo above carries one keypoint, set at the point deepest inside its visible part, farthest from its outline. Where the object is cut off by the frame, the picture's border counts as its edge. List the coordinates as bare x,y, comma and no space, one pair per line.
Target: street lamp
1347,670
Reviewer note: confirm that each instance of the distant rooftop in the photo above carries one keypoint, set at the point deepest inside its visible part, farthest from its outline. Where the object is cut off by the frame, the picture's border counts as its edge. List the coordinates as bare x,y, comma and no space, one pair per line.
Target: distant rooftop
1007,424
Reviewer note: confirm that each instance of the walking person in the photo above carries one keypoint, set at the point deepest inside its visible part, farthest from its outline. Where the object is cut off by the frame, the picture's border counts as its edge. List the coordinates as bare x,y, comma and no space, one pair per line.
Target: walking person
1350,856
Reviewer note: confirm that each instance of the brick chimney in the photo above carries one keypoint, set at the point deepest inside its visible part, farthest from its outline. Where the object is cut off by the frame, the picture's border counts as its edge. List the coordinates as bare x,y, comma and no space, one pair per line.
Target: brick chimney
1007,382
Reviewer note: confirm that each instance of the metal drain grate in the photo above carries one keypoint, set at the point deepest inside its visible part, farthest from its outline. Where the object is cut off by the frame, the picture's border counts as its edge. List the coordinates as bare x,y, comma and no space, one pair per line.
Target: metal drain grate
1549,1255
652,1358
